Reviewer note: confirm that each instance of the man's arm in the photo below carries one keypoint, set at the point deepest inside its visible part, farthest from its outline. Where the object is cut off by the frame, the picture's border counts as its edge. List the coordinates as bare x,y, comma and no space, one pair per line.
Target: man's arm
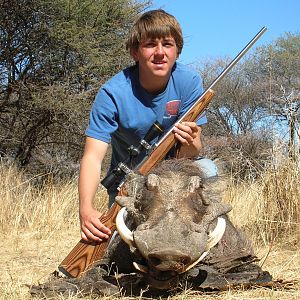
89,177
189,135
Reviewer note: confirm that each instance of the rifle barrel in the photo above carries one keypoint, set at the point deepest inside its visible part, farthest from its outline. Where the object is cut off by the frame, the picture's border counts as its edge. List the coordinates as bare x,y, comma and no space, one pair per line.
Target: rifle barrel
238,57
223,73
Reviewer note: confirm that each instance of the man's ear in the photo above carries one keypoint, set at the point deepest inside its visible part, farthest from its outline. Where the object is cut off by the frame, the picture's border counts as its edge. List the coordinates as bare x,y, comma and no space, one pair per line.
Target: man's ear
134,54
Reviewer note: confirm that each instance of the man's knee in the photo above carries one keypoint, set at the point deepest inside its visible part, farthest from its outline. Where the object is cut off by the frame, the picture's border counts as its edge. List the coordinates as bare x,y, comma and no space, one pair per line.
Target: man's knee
207,166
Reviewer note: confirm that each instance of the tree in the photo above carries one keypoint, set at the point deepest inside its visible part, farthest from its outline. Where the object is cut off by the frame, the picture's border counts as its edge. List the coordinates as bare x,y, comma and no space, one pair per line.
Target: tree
263,86
236,108
277,68
54,55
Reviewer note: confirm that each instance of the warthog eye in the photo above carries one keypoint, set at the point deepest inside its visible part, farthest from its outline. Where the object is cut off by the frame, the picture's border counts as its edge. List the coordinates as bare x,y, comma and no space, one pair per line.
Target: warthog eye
144,204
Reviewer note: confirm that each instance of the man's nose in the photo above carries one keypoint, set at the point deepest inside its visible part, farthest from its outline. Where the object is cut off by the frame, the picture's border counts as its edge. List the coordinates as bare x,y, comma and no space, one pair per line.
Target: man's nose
159,49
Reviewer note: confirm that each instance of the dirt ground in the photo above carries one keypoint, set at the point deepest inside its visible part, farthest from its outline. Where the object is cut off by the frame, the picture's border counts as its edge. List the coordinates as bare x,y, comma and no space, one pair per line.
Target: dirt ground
29,258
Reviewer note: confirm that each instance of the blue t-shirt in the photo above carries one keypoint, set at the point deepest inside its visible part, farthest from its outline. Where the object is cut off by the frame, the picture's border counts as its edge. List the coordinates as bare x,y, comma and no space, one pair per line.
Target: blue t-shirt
123,110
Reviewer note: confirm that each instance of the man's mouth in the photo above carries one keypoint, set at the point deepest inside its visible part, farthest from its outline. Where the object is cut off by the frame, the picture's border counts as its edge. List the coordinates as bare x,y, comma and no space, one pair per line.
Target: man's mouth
158,62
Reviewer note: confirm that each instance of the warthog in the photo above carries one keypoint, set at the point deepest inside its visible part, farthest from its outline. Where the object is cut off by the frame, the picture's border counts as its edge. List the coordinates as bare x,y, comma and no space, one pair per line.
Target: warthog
175,231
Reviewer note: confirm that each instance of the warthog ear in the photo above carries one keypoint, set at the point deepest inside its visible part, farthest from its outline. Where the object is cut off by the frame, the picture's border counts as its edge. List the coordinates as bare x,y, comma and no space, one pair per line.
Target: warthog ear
194,184
125,201
215,187
152,182
133,184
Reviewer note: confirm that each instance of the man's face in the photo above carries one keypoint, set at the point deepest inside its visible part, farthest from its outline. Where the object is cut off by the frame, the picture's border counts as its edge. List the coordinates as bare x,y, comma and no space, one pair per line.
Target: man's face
156,57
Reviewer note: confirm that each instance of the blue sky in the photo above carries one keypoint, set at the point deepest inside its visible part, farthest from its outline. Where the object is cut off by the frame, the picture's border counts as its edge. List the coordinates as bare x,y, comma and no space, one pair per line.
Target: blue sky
223,27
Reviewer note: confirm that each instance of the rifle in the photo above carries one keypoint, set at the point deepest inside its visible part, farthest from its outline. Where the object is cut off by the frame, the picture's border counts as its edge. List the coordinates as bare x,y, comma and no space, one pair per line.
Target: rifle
85,254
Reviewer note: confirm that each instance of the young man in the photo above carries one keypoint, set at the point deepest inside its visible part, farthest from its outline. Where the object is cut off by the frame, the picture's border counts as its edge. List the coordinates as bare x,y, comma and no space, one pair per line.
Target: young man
156,88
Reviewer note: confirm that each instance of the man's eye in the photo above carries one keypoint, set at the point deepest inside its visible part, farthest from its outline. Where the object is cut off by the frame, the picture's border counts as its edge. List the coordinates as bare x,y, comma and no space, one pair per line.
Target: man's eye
169,44
150,45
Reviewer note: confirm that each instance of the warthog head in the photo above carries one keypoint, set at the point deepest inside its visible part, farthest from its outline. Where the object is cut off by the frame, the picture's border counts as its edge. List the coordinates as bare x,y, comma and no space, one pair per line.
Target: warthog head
175,219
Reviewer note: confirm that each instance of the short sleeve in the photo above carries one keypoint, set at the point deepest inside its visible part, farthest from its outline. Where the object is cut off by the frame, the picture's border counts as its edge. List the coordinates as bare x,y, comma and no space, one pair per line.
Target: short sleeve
103,117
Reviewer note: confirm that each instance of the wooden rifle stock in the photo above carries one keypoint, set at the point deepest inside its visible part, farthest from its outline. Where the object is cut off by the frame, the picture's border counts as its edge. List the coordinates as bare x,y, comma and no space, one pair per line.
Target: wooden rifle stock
84,254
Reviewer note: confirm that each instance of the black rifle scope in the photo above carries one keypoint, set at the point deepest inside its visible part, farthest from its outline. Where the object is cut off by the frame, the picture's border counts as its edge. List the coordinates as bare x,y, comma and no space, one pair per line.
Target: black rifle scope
122,169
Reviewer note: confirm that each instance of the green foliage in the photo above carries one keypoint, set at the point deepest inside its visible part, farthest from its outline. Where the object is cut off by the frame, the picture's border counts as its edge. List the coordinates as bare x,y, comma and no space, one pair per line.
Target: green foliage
54,56
278,64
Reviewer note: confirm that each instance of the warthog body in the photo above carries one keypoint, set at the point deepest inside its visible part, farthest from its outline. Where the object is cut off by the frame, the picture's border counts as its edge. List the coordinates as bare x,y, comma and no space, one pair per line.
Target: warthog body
176,232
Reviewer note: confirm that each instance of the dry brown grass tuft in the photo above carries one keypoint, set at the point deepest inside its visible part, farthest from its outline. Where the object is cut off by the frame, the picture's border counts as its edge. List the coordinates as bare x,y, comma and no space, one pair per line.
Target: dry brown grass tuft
268,208
39,226
37,204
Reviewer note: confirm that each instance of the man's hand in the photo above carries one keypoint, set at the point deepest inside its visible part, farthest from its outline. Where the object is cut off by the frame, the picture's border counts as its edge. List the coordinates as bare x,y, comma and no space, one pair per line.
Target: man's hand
92,230
189,135
186,132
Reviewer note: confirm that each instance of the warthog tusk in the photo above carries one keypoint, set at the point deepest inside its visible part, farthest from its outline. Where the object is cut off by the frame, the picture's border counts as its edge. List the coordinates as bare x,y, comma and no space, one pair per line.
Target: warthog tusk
216,235
140,268
195,262
124,232
127,236
213,239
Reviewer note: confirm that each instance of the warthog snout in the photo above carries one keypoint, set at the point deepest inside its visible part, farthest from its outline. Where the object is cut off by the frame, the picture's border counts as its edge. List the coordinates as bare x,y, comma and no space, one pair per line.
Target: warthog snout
169,260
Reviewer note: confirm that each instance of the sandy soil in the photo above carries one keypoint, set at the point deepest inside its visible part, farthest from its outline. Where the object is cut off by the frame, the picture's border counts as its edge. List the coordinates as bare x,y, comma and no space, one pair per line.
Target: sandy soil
30,257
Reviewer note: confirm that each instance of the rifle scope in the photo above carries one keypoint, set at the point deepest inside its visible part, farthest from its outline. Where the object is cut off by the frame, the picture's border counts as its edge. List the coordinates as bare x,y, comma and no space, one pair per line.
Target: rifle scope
122,169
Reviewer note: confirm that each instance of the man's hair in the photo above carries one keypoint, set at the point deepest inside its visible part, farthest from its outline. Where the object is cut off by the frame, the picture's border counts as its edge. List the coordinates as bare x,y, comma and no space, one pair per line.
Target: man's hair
155,24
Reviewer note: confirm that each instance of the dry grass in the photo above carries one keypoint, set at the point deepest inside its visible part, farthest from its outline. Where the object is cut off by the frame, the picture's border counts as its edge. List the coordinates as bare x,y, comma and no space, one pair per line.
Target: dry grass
268,208
38,226
36,204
